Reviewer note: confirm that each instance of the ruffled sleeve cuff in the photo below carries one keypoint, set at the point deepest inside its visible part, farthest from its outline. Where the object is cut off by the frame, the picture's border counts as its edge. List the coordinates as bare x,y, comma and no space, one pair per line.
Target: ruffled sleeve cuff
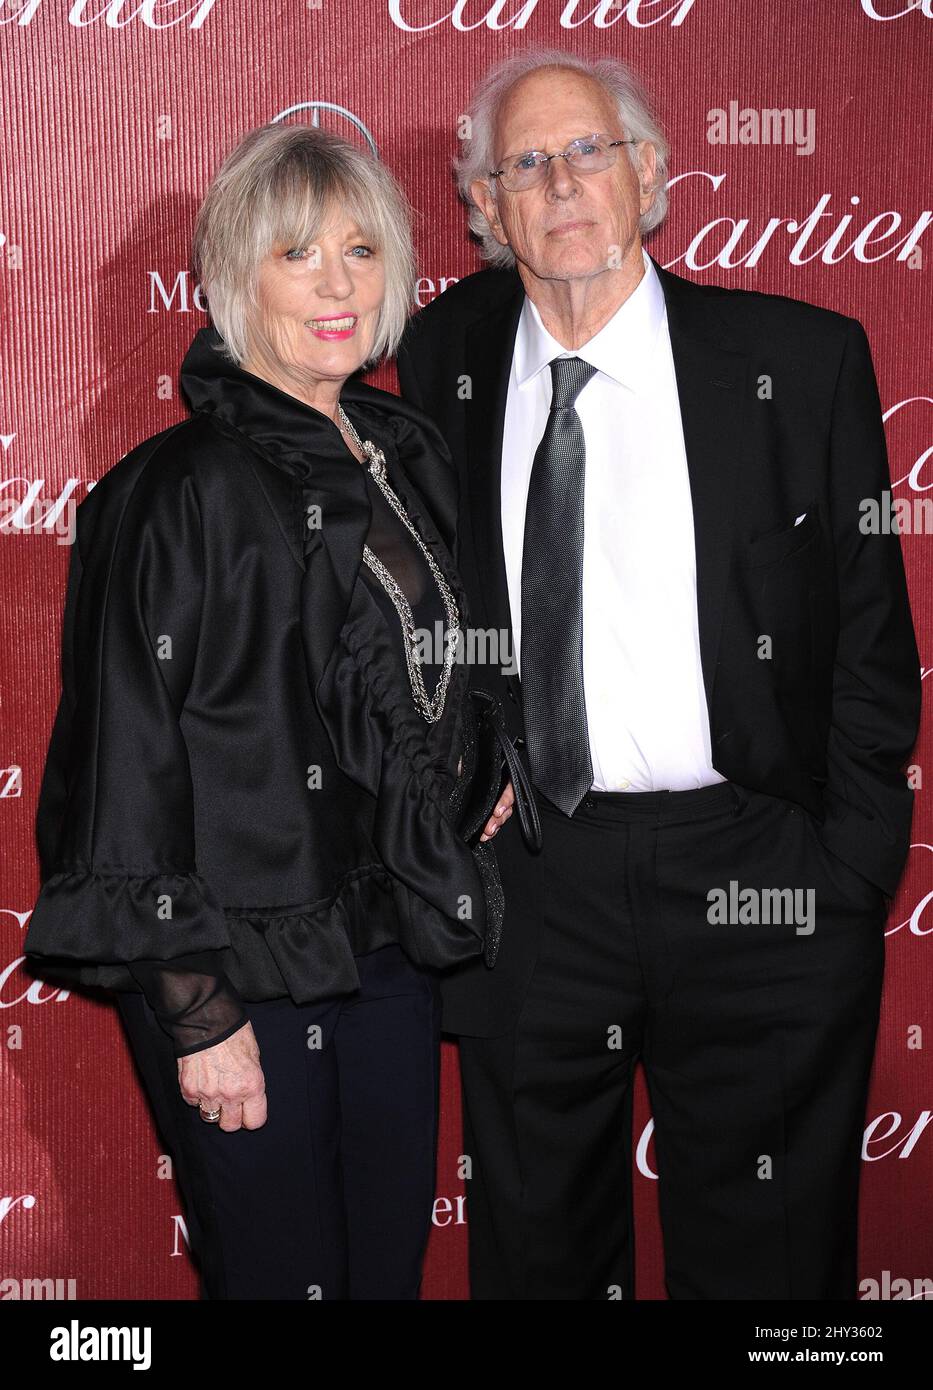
111,916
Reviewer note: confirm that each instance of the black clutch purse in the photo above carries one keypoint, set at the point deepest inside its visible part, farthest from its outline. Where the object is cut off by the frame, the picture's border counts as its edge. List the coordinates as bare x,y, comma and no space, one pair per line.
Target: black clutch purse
490,763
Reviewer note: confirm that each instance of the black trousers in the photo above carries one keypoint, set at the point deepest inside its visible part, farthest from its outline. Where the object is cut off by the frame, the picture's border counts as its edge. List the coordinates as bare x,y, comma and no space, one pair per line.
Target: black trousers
332,1197
756,1039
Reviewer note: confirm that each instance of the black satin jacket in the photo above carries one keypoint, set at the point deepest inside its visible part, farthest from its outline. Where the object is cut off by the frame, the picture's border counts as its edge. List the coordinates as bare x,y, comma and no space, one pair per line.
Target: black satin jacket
236,766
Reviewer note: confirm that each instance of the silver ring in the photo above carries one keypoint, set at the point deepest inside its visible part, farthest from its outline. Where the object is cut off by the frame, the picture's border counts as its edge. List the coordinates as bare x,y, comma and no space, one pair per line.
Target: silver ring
212,1116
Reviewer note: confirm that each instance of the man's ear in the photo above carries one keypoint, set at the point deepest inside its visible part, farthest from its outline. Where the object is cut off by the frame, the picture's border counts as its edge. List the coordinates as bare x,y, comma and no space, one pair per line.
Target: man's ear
647,171
485,200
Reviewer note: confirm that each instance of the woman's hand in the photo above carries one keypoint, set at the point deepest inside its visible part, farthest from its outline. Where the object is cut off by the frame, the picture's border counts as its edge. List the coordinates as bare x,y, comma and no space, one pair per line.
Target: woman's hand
501,814
227,1078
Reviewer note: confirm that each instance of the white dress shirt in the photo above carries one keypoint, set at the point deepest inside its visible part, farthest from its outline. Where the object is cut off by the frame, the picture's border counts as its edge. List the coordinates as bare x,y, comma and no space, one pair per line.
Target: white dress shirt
643,682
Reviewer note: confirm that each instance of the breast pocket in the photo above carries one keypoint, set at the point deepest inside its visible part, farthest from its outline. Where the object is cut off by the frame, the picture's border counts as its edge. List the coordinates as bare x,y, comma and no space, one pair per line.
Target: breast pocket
784,544
777,574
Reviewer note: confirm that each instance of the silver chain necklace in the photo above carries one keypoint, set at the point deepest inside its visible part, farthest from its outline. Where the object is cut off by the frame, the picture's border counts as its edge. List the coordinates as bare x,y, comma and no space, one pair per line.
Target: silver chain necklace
431,708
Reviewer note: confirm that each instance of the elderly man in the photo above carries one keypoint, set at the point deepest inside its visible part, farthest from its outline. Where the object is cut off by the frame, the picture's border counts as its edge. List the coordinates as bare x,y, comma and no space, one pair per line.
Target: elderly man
717,687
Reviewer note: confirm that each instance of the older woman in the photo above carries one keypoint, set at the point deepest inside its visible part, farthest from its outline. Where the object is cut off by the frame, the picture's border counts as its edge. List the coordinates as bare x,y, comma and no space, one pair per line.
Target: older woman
248,825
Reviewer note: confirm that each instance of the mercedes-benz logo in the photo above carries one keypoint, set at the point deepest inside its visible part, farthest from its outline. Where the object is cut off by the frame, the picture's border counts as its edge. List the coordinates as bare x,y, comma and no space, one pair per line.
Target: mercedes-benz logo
316,107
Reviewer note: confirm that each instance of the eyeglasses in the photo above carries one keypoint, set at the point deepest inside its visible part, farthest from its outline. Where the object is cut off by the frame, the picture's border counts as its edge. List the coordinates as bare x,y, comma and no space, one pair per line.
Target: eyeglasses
586,155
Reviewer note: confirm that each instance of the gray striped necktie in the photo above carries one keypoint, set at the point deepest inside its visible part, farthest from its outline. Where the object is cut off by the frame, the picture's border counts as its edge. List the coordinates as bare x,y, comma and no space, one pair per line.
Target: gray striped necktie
552,599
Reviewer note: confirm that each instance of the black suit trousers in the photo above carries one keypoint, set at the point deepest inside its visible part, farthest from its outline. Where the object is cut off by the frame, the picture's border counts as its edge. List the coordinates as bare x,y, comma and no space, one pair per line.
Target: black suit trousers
332,1197
756,1037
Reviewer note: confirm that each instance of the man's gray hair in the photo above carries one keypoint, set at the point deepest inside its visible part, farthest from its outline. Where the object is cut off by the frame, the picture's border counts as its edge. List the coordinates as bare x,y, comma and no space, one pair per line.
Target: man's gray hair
275,189
636,115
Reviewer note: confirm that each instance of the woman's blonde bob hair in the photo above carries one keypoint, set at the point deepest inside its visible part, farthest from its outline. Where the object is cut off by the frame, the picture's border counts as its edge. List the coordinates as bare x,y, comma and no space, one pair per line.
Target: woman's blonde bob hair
279,187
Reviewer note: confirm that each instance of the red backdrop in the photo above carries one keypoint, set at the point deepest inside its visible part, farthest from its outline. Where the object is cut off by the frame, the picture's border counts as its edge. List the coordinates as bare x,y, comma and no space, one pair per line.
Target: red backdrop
114,116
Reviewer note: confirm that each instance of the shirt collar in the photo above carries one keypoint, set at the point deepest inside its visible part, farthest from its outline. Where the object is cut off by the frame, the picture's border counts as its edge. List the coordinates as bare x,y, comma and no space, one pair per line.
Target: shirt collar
622,349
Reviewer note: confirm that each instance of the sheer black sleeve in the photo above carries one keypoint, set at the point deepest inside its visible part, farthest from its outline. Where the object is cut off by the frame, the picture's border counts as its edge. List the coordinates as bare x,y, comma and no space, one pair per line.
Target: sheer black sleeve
192,999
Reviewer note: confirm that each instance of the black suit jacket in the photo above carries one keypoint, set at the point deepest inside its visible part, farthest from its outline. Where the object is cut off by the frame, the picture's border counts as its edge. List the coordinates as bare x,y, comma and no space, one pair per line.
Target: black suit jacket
781,416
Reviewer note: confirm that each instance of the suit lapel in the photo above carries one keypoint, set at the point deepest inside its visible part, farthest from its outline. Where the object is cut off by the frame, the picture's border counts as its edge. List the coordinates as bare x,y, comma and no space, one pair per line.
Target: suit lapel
489,345
710,381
